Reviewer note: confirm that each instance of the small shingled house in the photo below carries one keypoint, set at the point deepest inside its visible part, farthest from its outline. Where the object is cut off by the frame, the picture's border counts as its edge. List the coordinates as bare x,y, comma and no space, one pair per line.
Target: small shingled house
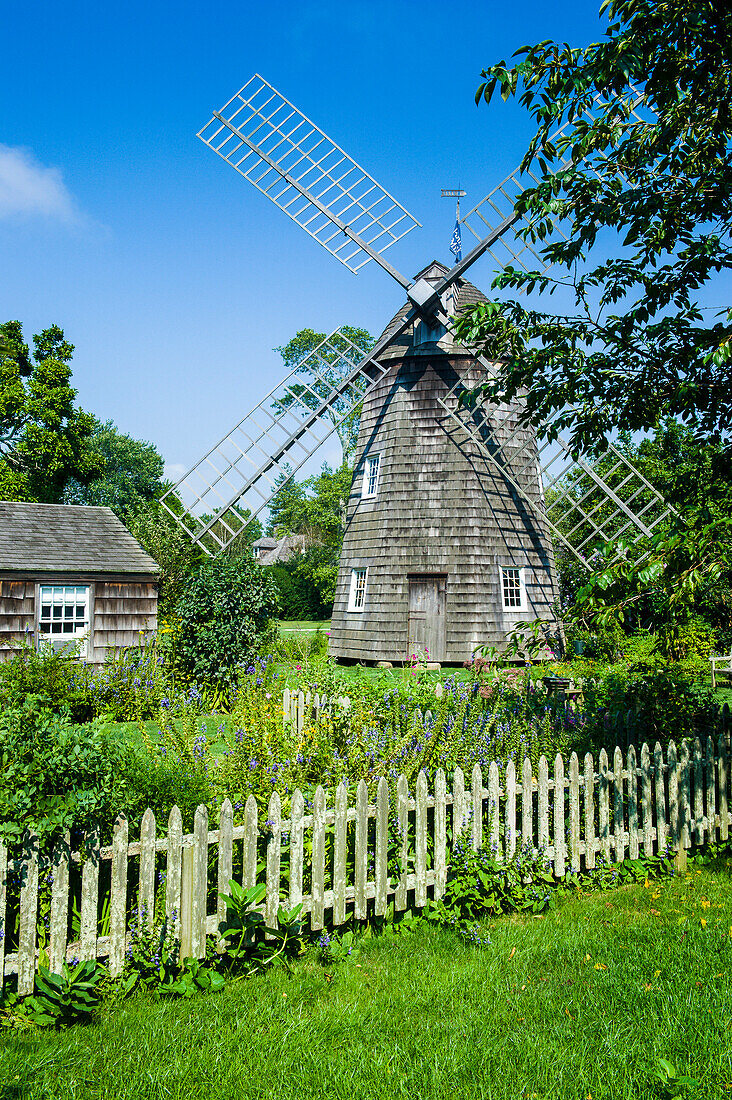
69,572
269,551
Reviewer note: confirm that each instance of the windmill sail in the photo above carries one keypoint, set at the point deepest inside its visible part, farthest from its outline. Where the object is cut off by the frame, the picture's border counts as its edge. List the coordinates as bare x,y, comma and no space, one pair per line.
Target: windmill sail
297,166
238,477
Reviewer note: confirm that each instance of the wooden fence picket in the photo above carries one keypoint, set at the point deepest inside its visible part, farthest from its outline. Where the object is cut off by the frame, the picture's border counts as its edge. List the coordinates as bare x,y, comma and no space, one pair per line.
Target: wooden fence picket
660,799
420,841
458,806
711,790
382,847
574,814
297,848
274,859
559,846
494,809
89,924
59,918
361,854
199,899
603,805
146,891
685,795
28,917
589,801
509,827
317,905
672,766
646,800
633,847
118,897
527,806
543,805
618,807
225,868
249,853
723,777
476,824
400,894
698,797
440,834
339,854
173,869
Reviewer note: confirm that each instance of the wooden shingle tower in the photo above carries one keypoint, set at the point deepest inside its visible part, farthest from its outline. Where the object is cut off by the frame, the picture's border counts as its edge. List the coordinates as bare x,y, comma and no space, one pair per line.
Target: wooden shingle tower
448,532
441,553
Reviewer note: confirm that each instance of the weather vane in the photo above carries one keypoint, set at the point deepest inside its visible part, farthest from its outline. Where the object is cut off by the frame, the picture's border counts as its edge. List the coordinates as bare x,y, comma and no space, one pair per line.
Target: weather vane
456,246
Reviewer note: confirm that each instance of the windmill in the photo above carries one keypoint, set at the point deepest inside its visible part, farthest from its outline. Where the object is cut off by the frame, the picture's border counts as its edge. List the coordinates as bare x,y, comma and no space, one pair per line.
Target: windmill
454,504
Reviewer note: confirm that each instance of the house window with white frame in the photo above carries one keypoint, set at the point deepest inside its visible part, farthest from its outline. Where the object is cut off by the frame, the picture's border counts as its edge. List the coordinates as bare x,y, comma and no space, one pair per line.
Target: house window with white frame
513,588
357,594
370,476
63,615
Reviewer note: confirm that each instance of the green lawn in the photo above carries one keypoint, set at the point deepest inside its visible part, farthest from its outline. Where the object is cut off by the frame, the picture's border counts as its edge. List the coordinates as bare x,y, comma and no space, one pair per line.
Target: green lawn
303,625
579,1003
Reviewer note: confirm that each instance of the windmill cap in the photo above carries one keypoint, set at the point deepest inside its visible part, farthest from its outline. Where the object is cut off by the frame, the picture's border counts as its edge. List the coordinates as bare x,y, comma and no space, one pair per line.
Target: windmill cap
464,294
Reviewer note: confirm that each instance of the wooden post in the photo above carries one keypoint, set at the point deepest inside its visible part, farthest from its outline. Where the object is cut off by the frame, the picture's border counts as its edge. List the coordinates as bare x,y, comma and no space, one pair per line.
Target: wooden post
603,805
440,827
28,918
633,846
186,905
618,810
494,809
574,814
543,805
559,842
458,804
361,851
118,898
225,865
173,870
274,859
146,892
200,883
249,847
661,816
590,840
509,830
420,841
89,897
297,847
59,904
317,905
476,828
3,909
382,846
400,895
339,855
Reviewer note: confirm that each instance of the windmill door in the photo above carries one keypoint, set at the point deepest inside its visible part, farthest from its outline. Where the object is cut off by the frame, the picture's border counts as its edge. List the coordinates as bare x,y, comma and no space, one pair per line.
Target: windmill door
427,615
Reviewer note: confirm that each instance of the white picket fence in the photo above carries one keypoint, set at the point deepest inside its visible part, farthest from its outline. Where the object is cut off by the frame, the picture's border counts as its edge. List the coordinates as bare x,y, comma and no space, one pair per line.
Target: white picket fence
575,813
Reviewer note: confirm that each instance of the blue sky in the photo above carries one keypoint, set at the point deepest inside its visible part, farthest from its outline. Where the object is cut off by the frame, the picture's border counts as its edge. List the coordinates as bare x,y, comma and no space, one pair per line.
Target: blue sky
172,276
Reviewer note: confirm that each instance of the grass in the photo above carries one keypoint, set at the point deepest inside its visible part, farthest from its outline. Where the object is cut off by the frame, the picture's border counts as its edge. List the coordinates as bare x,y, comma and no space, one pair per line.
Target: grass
579,1003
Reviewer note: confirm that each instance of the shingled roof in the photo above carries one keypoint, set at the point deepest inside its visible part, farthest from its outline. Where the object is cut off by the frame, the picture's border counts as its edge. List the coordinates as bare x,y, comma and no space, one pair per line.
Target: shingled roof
68,538
465,295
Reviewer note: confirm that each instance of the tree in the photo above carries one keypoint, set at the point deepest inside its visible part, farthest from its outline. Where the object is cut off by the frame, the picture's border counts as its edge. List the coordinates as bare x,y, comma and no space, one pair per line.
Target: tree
131,477
332,369
223,614
316,508
646,204
168,545
43,434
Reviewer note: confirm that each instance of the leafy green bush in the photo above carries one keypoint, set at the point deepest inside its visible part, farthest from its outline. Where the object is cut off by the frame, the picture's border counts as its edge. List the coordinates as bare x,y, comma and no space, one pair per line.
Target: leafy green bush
64,998
55,676
224,613
55,775
298,597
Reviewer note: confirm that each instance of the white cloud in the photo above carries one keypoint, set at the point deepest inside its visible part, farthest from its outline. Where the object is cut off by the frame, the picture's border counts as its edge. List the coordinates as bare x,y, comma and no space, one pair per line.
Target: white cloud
173,471
29,188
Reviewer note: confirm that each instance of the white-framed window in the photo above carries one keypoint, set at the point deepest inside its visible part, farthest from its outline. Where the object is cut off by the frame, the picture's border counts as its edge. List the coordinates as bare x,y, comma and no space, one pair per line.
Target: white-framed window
513,588
63,614
357,594
370,476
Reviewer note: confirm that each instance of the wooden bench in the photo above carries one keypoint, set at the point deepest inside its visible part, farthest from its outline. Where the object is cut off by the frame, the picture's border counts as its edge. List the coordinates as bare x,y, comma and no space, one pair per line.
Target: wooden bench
721,666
